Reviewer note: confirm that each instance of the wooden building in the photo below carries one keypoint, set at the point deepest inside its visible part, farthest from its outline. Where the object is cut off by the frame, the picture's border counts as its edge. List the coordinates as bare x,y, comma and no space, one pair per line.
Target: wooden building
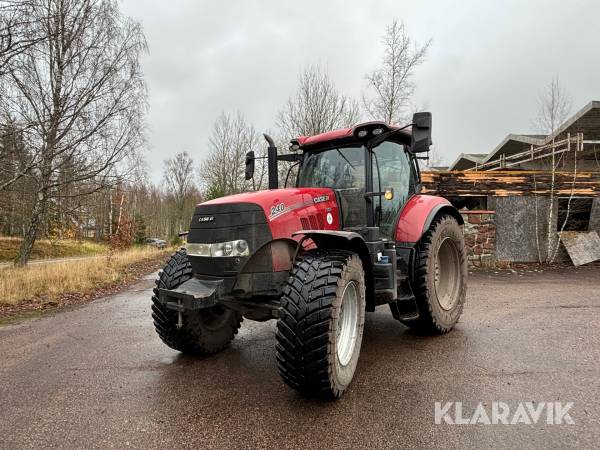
530,188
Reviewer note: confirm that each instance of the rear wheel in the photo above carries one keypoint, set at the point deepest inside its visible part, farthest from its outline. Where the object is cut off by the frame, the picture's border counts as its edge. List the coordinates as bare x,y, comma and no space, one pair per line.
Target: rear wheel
204,331
440,279
320,326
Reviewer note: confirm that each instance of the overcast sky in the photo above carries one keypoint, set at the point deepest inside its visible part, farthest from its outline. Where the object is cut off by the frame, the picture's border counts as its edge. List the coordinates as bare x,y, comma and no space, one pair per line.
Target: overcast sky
487,65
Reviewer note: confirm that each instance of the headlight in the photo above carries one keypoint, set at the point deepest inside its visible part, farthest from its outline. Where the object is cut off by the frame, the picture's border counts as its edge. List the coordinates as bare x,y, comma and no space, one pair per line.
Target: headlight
231,248
198,249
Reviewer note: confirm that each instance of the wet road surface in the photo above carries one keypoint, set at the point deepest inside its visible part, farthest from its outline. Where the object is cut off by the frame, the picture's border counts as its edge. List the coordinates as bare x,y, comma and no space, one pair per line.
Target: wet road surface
98,376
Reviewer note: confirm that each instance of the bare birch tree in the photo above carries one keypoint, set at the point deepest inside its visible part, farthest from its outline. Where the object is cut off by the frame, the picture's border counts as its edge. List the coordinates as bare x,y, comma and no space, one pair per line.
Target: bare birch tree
179,180
390,88
222,171
18,30
316,107
16,35
554,106
78,96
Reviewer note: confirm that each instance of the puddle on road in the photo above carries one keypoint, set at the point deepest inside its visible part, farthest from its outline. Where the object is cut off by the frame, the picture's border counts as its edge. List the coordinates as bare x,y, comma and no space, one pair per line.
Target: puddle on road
169,359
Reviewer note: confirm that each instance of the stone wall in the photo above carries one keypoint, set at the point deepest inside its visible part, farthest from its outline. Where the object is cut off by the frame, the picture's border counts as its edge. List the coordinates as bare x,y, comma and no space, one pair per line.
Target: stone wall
480,236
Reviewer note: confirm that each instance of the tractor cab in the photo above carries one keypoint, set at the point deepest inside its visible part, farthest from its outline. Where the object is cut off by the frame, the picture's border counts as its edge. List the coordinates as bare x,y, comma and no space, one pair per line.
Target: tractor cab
372,183
372,168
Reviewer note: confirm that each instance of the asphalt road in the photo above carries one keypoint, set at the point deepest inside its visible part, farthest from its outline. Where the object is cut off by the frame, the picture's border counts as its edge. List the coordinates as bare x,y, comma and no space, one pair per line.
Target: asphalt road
97,376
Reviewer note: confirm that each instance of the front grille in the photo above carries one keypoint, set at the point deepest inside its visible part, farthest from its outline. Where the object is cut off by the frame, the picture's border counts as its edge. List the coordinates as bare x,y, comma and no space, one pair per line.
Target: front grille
312,222
320,221
222,223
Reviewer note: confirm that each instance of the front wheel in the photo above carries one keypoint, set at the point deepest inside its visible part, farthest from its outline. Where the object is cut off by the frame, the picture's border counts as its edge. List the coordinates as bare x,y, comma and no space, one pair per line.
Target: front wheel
440,277
320,326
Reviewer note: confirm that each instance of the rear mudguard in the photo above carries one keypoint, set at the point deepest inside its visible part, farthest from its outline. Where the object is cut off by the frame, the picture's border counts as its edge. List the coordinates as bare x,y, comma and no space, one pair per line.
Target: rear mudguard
418,214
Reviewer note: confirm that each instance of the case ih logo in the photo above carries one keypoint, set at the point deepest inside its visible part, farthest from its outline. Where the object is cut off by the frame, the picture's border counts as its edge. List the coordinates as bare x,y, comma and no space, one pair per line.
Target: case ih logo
321,198
205,219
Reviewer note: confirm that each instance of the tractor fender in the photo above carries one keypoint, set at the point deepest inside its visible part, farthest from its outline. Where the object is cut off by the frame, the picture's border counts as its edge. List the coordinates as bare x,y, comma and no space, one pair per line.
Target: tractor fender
346,240
418,214
343,240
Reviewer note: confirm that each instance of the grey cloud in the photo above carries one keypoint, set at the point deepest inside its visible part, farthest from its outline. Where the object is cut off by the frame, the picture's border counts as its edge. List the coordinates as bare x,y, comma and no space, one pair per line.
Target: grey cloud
487,64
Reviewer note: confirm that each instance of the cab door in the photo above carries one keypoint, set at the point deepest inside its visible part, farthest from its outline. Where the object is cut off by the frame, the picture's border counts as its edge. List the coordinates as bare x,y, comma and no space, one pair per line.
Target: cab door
392,168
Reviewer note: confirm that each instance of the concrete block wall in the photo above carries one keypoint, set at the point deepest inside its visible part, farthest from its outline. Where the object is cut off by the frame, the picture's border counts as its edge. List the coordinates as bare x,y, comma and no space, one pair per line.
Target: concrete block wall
480,236
517,235
595,215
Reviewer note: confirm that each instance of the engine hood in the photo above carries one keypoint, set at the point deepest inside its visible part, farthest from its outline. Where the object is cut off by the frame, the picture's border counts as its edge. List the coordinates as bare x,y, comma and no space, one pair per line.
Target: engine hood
285,211
276,202
259,218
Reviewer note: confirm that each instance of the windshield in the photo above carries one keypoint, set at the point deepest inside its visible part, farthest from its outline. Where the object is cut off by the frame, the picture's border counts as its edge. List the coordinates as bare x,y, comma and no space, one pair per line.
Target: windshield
338,168
342,169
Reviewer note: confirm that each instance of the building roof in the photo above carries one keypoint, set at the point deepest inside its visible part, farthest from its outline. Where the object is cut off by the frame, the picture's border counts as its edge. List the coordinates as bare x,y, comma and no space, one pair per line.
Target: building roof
513,143
466,160
586,121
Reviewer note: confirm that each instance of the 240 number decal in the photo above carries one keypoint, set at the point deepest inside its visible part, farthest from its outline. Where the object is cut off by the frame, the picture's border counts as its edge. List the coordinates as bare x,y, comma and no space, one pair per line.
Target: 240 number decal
277,209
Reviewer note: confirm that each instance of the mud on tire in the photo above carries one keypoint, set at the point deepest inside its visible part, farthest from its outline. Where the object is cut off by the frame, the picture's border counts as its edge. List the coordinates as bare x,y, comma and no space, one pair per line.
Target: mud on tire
440,277
204,331
318,340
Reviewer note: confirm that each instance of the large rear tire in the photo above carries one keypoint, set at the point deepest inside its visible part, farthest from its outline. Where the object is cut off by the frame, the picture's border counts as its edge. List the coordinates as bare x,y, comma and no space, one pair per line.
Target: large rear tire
204,331
321,320
440,278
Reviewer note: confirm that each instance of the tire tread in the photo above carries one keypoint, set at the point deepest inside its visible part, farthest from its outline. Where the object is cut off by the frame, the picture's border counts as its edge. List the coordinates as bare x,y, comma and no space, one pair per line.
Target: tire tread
303,325
427,322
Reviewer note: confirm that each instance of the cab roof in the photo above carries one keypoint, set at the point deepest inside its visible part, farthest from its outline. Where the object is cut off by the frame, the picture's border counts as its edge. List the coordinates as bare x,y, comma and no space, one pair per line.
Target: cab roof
346,134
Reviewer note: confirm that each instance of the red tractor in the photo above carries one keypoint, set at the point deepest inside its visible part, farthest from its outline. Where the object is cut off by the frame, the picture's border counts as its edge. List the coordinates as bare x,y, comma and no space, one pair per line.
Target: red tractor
354,233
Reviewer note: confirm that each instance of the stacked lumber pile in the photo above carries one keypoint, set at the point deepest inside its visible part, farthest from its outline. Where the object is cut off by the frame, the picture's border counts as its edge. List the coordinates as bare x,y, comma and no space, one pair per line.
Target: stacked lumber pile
505,183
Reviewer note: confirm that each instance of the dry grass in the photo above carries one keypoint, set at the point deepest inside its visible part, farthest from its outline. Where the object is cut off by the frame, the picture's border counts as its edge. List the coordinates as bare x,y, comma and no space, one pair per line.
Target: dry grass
53,280
44,248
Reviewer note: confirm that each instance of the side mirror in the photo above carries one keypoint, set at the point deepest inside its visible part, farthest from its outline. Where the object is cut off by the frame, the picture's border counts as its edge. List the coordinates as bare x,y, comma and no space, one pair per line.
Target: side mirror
249,165
421,132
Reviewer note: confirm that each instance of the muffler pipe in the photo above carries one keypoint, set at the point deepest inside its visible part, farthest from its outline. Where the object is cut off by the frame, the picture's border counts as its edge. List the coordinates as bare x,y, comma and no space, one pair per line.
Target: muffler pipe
272,162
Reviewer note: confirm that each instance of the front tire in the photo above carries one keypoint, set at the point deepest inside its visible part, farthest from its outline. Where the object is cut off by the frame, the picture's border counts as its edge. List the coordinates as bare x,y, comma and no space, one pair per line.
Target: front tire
204,331
321,321
440,278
